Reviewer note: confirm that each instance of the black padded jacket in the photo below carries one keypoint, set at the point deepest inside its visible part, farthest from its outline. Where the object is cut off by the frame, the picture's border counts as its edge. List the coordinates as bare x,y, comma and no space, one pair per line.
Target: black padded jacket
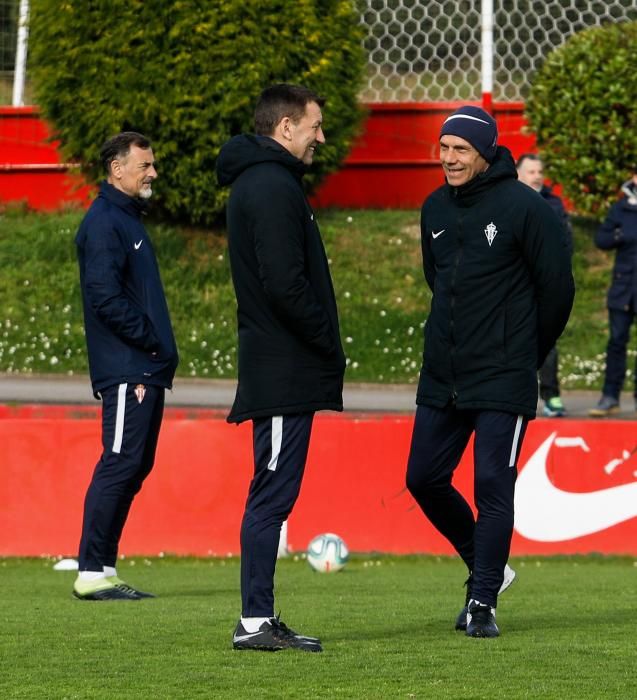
497,262
290,355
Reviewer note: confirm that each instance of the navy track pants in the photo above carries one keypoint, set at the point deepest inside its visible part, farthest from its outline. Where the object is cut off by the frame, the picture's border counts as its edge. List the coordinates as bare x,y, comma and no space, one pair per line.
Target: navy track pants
439,439
620,322
130,430
280,451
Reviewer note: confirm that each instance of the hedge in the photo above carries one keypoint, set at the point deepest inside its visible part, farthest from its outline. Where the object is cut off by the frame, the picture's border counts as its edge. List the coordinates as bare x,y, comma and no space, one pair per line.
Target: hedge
188,75
583,110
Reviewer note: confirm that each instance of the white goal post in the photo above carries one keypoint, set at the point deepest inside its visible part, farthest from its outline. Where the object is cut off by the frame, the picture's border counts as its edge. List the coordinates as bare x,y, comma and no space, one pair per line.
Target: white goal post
20,70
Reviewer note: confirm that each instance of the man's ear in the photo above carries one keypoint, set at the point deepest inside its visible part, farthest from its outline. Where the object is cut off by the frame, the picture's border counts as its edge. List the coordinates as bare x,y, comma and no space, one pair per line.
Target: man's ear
116,169
284,128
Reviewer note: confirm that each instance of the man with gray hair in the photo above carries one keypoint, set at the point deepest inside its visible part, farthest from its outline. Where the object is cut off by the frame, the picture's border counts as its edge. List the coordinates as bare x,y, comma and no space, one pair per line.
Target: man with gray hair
495,261
132,355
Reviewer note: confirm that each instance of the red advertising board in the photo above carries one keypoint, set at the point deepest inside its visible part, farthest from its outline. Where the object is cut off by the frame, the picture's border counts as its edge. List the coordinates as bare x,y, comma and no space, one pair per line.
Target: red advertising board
393,163
576,493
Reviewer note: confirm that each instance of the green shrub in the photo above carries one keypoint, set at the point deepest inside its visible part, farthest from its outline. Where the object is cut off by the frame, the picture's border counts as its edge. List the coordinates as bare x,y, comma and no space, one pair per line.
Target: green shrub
583,110
188,75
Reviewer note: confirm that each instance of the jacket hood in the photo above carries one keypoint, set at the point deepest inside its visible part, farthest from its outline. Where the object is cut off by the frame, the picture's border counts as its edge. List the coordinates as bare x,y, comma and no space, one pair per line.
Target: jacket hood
244,151
629,189
502,168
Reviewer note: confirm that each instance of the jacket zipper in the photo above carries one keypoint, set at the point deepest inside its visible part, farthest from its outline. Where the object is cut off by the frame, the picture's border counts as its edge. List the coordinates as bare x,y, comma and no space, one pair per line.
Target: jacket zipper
454,393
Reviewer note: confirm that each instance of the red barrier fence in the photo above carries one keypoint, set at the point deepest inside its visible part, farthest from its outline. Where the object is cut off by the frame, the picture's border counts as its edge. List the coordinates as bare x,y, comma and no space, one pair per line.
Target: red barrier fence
30,167
394,163
577,489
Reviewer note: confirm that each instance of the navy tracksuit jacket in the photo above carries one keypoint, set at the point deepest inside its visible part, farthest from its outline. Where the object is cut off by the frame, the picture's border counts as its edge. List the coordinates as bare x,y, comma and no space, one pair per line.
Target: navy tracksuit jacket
128,331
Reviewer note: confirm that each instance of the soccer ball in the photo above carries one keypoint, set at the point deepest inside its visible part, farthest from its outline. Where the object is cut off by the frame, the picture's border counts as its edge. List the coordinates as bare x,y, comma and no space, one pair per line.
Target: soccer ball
327,553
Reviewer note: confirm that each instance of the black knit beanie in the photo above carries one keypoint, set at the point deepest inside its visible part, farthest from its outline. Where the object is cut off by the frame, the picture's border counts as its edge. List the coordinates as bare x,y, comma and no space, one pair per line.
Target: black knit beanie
475,126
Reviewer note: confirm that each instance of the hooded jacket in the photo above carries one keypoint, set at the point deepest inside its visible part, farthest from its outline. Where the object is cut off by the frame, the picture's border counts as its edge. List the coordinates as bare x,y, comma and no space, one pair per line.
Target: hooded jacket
290,355
495,258
619,233
128,331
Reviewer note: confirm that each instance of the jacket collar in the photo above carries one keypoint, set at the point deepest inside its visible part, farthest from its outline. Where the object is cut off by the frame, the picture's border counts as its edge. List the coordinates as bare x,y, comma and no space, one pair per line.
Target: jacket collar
131,205
501,168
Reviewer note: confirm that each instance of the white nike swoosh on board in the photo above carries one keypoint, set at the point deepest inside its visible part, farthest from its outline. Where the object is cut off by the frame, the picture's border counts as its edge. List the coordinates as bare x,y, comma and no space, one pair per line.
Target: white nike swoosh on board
435,235
138,245
546,513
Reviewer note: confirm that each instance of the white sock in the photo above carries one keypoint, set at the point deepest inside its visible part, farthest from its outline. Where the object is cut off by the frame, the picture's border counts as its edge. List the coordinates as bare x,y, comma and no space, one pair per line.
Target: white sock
253,624
90,575
110,571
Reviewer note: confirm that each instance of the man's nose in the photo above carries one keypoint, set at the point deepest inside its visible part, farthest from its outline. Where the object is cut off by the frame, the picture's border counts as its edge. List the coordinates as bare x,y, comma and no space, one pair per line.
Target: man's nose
320,136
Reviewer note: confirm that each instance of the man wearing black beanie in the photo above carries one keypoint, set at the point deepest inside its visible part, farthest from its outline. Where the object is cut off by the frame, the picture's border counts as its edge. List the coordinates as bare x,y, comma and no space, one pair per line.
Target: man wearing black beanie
500,273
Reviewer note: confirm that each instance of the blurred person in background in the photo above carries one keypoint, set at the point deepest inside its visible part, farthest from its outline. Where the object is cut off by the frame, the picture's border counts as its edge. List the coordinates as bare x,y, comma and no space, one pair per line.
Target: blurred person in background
618,232
531,172
131,352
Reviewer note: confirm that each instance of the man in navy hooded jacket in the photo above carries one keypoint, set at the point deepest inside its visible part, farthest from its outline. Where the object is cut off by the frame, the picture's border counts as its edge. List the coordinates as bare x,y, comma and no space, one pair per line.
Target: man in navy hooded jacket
496,260
131,351
618,232
291,361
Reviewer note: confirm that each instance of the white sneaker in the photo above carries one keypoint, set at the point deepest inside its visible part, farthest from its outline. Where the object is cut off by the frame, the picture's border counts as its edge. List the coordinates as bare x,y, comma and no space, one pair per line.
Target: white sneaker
509,578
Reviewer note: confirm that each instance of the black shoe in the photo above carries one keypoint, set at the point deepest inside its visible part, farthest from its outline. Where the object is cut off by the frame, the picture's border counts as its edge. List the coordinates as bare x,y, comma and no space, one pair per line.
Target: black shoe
481,620
110,593
507,579
461,620
123,586
285,628
273,635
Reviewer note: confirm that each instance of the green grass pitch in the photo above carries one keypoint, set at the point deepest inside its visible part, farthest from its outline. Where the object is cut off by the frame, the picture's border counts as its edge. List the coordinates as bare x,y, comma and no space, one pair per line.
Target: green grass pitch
386,623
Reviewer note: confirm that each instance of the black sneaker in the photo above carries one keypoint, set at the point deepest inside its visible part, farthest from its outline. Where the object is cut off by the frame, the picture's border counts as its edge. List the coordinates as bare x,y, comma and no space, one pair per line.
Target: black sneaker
286,629
105,593
273,635
507,580
461,620
481,620
123,586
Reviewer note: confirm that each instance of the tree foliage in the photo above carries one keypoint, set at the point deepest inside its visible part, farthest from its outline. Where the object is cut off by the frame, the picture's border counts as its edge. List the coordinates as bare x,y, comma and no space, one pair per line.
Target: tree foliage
187,74
583,110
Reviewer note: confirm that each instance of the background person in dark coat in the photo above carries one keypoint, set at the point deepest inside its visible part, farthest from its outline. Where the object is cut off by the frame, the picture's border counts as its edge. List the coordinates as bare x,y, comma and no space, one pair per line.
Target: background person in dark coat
131,351
291,361
531,172
619,233
495,259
